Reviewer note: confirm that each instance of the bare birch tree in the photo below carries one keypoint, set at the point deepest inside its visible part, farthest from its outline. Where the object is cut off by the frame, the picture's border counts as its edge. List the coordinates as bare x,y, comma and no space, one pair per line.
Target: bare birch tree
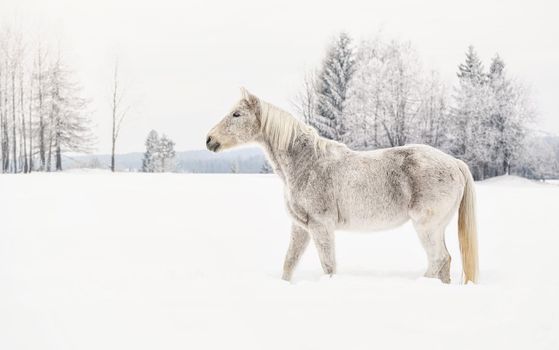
23,138
40,78
118,110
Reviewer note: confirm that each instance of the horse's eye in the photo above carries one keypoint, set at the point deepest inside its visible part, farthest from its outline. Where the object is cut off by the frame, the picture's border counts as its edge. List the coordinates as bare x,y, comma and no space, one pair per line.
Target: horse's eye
236,114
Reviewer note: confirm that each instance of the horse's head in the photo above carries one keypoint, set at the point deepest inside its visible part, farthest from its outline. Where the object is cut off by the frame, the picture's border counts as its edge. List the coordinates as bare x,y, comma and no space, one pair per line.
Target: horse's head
241,125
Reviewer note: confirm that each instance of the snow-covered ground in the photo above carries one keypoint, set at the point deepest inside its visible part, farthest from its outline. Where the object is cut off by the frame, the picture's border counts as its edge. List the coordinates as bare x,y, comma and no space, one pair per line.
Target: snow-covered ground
92,260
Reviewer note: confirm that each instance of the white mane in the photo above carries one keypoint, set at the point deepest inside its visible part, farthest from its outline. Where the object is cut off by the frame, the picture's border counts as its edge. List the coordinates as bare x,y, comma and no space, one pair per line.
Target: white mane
282,129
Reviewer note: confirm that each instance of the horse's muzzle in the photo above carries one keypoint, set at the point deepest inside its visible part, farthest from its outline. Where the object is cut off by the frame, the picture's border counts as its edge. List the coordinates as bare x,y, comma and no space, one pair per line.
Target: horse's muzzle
212,144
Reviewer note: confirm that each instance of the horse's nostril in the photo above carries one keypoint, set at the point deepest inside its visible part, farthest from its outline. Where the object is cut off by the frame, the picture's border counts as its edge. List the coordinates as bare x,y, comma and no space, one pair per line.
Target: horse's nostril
208,140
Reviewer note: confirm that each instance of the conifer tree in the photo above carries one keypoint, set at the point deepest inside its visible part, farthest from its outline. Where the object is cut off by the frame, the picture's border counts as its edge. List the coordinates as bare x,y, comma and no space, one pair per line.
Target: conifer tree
507,123
472,68
150,160
332,84
472,135
167,154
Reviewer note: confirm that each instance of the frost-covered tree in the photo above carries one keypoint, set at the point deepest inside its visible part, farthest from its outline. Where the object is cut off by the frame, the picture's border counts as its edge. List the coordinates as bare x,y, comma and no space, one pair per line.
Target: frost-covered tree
159,155
11,66
401,100
331,88
391,101
472,136
490,117
40,98
150,163
42,111
433,114
306,100
69,126
539,157
472,68
363,109
167,154
509,118
384,96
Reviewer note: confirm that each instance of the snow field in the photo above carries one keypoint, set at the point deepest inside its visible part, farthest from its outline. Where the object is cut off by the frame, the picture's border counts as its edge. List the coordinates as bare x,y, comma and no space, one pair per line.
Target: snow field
92,260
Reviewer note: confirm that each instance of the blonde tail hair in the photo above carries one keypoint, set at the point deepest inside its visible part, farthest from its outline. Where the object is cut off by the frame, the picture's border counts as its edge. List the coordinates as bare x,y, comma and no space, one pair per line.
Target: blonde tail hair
467,229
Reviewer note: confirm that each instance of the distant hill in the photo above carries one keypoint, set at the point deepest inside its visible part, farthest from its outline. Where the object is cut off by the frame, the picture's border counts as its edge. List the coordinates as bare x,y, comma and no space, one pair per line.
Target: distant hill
246,160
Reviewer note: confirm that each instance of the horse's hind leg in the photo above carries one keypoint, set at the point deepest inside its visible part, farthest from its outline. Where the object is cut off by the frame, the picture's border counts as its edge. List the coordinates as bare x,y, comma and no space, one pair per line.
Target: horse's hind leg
430,223
432,239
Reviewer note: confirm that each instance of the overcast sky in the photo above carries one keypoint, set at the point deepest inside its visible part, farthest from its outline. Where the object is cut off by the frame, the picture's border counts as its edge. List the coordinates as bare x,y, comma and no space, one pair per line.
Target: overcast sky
184,61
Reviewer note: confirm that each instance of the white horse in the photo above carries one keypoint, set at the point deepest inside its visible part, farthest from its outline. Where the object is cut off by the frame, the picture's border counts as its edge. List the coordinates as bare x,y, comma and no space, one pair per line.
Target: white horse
329,187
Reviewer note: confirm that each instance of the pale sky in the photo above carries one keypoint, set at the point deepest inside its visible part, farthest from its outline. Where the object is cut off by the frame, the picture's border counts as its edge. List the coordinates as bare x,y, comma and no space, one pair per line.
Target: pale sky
184,61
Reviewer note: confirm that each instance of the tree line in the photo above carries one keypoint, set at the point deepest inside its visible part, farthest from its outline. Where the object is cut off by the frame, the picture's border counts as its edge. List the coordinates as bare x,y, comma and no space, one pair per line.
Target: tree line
42,111
369,95
377,94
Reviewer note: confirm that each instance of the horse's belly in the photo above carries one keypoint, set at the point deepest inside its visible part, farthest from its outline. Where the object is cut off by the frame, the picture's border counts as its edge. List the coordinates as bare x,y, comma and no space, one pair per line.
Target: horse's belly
372,221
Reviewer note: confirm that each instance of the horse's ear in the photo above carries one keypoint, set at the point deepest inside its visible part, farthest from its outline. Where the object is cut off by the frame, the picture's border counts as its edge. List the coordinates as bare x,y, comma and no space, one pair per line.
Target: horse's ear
250,98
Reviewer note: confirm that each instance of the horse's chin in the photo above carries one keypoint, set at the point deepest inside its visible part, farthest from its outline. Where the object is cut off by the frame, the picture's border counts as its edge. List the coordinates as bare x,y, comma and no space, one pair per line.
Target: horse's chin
220,148
223,147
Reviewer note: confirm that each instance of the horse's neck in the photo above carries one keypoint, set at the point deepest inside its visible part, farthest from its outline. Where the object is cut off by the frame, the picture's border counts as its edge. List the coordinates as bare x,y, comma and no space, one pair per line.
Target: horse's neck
272,155
290,164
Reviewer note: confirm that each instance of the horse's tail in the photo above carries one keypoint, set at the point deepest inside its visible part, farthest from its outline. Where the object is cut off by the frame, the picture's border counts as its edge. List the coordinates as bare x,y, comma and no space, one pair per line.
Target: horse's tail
467,229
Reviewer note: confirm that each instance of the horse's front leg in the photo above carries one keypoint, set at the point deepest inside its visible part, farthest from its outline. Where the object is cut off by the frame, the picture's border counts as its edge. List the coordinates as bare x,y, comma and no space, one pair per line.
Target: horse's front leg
323,238
299,241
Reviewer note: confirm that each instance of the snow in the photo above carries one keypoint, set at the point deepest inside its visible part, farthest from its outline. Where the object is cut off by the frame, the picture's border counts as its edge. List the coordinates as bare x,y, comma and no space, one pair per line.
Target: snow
93,260
512,180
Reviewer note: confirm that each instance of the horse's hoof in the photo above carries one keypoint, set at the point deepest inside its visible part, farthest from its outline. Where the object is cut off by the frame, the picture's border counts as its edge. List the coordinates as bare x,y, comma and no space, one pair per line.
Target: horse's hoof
286,277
